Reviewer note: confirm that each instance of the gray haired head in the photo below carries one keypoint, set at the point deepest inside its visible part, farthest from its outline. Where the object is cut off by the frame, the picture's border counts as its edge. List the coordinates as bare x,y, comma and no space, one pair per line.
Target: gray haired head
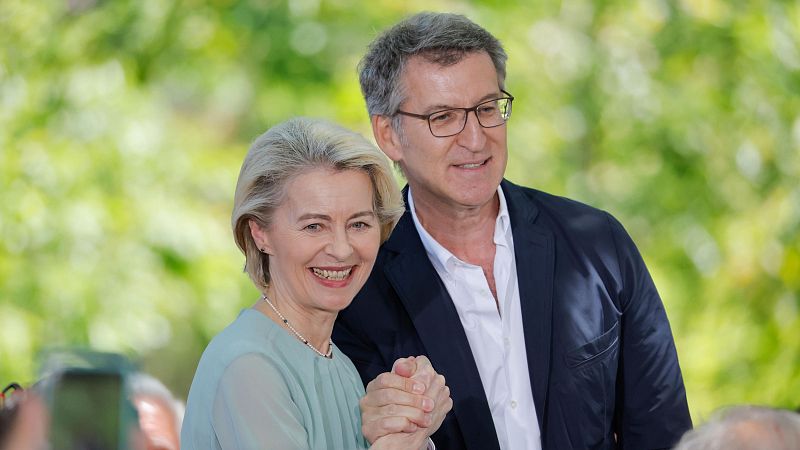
145,385
440,38
746,428
289,149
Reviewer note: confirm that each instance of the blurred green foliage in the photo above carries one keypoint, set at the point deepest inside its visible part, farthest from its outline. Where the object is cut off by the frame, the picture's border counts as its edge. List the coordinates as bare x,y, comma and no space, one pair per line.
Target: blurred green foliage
123,124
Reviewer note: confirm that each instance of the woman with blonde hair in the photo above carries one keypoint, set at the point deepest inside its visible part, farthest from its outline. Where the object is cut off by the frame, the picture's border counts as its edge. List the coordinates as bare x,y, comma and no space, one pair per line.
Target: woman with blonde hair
313,203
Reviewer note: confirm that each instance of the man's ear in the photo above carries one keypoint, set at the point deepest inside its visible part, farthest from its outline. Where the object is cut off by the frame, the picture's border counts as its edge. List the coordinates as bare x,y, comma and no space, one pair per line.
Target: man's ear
386,137
260,237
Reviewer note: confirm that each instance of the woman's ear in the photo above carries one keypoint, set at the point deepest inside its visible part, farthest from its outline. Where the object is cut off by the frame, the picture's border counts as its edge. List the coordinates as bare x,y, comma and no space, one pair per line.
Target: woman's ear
260,237
386,138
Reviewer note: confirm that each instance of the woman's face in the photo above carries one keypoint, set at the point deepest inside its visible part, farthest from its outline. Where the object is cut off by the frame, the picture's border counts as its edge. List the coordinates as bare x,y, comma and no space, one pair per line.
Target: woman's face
322,241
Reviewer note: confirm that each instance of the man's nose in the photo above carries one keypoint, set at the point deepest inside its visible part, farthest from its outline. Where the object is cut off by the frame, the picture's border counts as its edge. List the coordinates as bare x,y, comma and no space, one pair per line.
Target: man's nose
473,136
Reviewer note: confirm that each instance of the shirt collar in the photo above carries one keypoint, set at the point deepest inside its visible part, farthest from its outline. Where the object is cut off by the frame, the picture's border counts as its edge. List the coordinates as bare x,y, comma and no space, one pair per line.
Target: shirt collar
441,257
503,219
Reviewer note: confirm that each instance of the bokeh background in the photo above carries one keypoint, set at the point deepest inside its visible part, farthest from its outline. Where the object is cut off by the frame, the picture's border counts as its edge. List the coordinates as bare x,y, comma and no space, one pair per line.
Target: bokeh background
123,124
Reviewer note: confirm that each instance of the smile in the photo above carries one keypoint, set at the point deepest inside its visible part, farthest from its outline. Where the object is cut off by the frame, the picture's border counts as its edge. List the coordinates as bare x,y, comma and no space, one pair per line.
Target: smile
472,165
333,275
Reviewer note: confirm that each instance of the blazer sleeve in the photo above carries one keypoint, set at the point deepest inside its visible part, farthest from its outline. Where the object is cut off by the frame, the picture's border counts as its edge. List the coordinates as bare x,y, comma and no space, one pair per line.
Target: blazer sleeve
652,411
362,351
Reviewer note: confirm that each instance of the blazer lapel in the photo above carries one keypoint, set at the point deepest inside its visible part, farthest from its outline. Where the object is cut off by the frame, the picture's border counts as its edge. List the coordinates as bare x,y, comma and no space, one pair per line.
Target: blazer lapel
435,318
534,253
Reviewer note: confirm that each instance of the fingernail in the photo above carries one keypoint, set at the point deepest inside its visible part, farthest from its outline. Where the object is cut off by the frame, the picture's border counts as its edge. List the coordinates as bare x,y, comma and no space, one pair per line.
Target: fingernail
427,404
418,388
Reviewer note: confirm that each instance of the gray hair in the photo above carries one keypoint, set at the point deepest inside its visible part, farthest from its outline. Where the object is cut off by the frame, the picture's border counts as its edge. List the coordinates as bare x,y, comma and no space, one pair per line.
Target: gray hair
292,148
142,384
440,38
746,428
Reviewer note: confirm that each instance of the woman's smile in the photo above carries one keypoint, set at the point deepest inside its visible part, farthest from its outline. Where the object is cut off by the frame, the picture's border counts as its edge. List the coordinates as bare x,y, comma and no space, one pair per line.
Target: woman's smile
322,241
333,277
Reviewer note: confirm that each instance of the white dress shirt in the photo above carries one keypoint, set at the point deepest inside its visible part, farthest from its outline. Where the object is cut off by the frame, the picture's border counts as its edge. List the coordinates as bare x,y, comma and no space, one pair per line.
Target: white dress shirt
495,337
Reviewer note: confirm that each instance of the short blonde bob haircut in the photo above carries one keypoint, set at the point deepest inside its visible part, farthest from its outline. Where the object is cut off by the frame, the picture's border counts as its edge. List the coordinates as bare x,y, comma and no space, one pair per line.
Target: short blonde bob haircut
292,148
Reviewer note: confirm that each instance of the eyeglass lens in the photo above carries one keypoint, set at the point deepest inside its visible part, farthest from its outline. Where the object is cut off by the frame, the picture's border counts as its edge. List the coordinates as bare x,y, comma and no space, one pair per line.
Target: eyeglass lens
451,121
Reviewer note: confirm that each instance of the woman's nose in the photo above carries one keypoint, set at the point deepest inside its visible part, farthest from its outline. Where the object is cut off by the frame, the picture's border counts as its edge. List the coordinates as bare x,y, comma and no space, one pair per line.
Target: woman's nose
340,247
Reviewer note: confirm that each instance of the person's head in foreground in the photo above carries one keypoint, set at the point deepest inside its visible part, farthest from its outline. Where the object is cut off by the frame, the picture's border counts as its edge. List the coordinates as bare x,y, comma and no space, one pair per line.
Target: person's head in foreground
24,420
313,203
160,413
746,428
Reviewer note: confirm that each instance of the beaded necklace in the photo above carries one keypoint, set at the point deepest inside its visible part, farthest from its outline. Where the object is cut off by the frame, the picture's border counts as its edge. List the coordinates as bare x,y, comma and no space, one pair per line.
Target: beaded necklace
299,336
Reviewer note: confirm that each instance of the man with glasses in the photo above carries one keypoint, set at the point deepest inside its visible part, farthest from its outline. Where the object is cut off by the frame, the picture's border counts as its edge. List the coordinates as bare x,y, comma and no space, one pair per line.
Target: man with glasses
538,310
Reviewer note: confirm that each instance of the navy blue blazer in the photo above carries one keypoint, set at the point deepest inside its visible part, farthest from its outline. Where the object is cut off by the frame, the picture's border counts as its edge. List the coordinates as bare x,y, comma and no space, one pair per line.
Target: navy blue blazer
602,362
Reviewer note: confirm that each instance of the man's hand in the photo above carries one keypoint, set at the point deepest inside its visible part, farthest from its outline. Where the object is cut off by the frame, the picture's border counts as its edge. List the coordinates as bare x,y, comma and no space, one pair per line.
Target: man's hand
410,397
437,390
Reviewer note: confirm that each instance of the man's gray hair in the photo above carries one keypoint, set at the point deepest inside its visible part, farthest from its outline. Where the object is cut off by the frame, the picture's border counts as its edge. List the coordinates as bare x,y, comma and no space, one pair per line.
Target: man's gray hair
746,428
440,38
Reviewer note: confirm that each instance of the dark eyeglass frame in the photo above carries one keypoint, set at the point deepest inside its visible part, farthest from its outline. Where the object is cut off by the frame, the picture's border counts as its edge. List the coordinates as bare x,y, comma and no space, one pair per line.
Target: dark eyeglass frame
5,394
474,109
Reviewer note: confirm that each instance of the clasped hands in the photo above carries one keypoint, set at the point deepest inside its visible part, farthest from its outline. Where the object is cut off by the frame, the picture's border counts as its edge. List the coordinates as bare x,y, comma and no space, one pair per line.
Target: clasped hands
402,408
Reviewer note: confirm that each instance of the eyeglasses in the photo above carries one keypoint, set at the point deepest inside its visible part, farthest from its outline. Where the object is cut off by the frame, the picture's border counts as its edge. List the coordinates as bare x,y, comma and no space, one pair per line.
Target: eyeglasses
450,122
6,396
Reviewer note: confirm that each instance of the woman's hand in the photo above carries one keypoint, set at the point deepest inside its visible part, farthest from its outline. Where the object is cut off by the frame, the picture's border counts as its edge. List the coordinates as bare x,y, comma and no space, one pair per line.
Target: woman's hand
410,401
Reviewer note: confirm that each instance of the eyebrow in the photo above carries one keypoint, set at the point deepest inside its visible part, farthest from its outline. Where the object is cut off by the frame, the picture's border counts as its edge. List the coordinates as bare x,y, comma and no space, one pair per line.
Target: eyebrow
441,106
328,218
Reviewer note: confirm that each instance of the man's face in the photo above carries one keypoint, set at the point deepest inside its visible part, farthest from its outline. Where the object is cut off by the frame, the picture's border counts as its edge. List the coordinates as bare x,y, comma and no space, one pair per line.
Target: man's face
456,172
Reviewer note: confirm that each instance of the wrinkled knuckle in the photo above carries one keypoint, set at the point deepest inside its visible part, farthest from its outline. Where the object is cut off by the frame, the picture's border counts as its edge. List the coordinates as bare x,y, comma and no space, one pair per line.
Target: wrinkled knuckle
386,424
419,403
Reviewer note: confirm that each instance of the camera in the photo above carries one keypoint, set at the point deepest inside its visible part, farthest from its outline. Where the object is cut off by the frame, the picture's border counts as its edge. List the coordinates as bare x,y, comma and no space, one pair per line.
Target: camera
87,395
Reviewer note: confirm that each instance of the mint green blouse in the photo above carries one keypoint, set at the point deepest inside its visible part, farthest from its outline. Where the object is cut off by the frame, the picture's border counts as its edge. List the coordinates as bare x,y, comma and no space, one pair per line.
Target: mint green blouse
258,387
